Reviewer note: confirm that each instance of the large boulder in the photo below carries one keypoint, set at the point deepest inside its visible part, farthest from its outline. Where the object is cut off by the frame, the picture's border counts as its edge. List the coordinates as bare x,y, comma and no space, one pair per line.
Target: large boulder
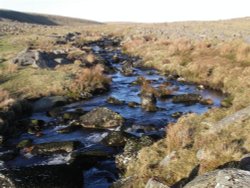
47,103
221,178
101,118
40,59
235,118
33,58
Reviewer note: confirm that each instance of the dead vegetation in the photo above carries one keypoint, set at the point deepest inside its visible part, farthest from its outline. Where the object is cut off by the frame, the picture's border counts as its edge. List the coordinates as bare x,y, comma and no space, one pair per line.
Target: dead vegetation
219,65
5,99
89,80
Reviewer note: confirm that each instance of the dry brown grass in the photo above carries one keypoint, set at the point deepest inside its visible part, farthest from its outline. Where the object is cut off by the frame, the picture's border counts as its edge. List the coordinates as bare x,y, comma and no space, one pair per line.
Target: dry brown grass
188,136
217,64
179,136
89,80
10,68
5,99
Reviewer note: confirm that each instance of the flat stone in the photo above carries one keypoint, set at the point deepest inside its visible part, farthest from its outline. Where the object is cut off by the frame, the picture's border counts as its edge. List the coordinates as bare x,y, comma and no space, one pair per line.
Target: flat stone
236,117
230,177
153,183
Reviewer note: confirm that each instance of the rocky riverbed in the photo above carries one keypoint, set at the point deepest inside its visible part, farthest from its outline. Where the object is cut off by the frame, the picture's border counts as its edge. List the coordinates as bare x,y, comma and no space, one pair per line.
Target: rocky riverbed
88,143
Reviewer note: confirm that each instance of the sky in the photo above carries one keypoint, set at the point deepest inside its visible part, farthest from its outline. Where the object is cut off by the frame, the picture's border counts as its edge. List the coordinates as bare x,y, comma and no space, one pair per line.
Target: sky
135,10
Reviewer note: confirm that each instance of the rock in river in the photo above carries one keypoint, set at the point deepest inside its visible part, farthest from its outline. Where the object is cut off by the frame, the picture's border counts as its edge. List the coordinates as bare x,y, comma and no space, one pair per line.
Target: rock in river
187,98
115,101
148,101
55,147
101,118
47,103
115,138
127,69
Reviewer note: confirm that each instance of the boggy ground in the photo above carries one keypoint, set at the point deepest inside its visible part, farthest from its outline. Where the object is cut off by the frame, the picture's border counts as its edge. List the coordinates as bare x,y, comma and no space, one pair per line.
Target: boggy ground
215,54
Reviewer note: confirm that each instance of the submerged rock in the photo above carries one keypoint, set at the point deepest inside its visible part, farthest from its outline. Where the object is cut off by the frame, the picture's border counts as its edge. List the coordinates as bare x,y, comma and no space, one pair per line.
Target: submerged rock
101,118
187,98
207,101
73,115
133,104
221,178
68,129
113,100
47,103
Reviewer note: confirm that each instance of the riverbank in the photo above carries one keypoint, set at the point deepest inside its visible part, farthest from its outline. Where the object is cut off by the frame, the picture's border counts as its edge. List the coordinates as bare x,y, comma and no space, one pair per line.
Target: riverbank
218,59
214,63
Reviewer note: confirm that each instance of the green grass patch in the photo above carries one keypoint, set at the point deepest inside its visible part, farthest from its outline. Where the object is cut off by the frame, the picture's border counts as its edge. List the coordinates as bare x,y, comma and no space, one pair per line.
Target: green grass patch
9,47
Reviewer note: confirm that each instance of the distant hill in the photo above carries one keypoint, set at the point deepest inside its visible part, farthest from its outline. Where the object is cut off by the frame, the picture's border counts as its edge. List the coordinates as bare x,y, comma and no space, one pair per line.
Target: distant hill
43,19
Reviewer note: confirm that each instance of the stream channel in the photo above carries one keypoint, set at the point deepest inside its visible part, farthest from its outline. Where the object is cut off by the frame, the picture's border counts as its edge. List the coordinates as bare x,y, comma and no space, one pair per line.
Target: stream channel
91,162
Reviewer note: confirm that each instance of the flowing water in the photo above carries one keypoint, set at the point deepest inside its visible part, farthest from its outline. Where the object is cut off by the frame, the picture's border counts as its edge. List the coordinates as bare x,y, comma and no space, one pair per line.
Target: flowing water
104,172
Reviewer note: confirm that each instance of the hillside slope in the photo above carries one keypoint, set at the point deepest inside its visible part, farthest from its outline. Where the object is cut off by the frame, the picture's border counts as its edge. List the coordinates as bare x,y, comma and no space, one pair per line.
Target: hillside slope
42,19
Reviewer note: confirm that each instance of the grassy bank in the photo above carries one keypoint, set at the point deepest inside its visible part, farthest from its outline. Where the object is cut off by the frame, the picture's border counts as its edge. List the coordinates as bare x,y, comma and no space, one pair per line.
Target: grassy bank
18,83
221,65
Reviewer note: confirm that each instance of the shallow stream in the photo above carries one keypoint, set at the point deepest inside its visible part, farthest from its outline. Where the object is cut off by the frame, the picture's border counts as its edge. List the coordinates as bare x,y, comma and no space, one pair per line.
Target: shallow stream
103,173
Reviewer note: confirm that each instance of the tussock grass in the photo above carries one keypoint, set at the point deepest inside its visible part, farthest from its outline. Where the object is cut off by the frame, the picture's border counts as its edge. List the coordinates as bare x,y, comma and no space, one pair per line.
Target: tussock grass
222,65
34,83
5,99
89,80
